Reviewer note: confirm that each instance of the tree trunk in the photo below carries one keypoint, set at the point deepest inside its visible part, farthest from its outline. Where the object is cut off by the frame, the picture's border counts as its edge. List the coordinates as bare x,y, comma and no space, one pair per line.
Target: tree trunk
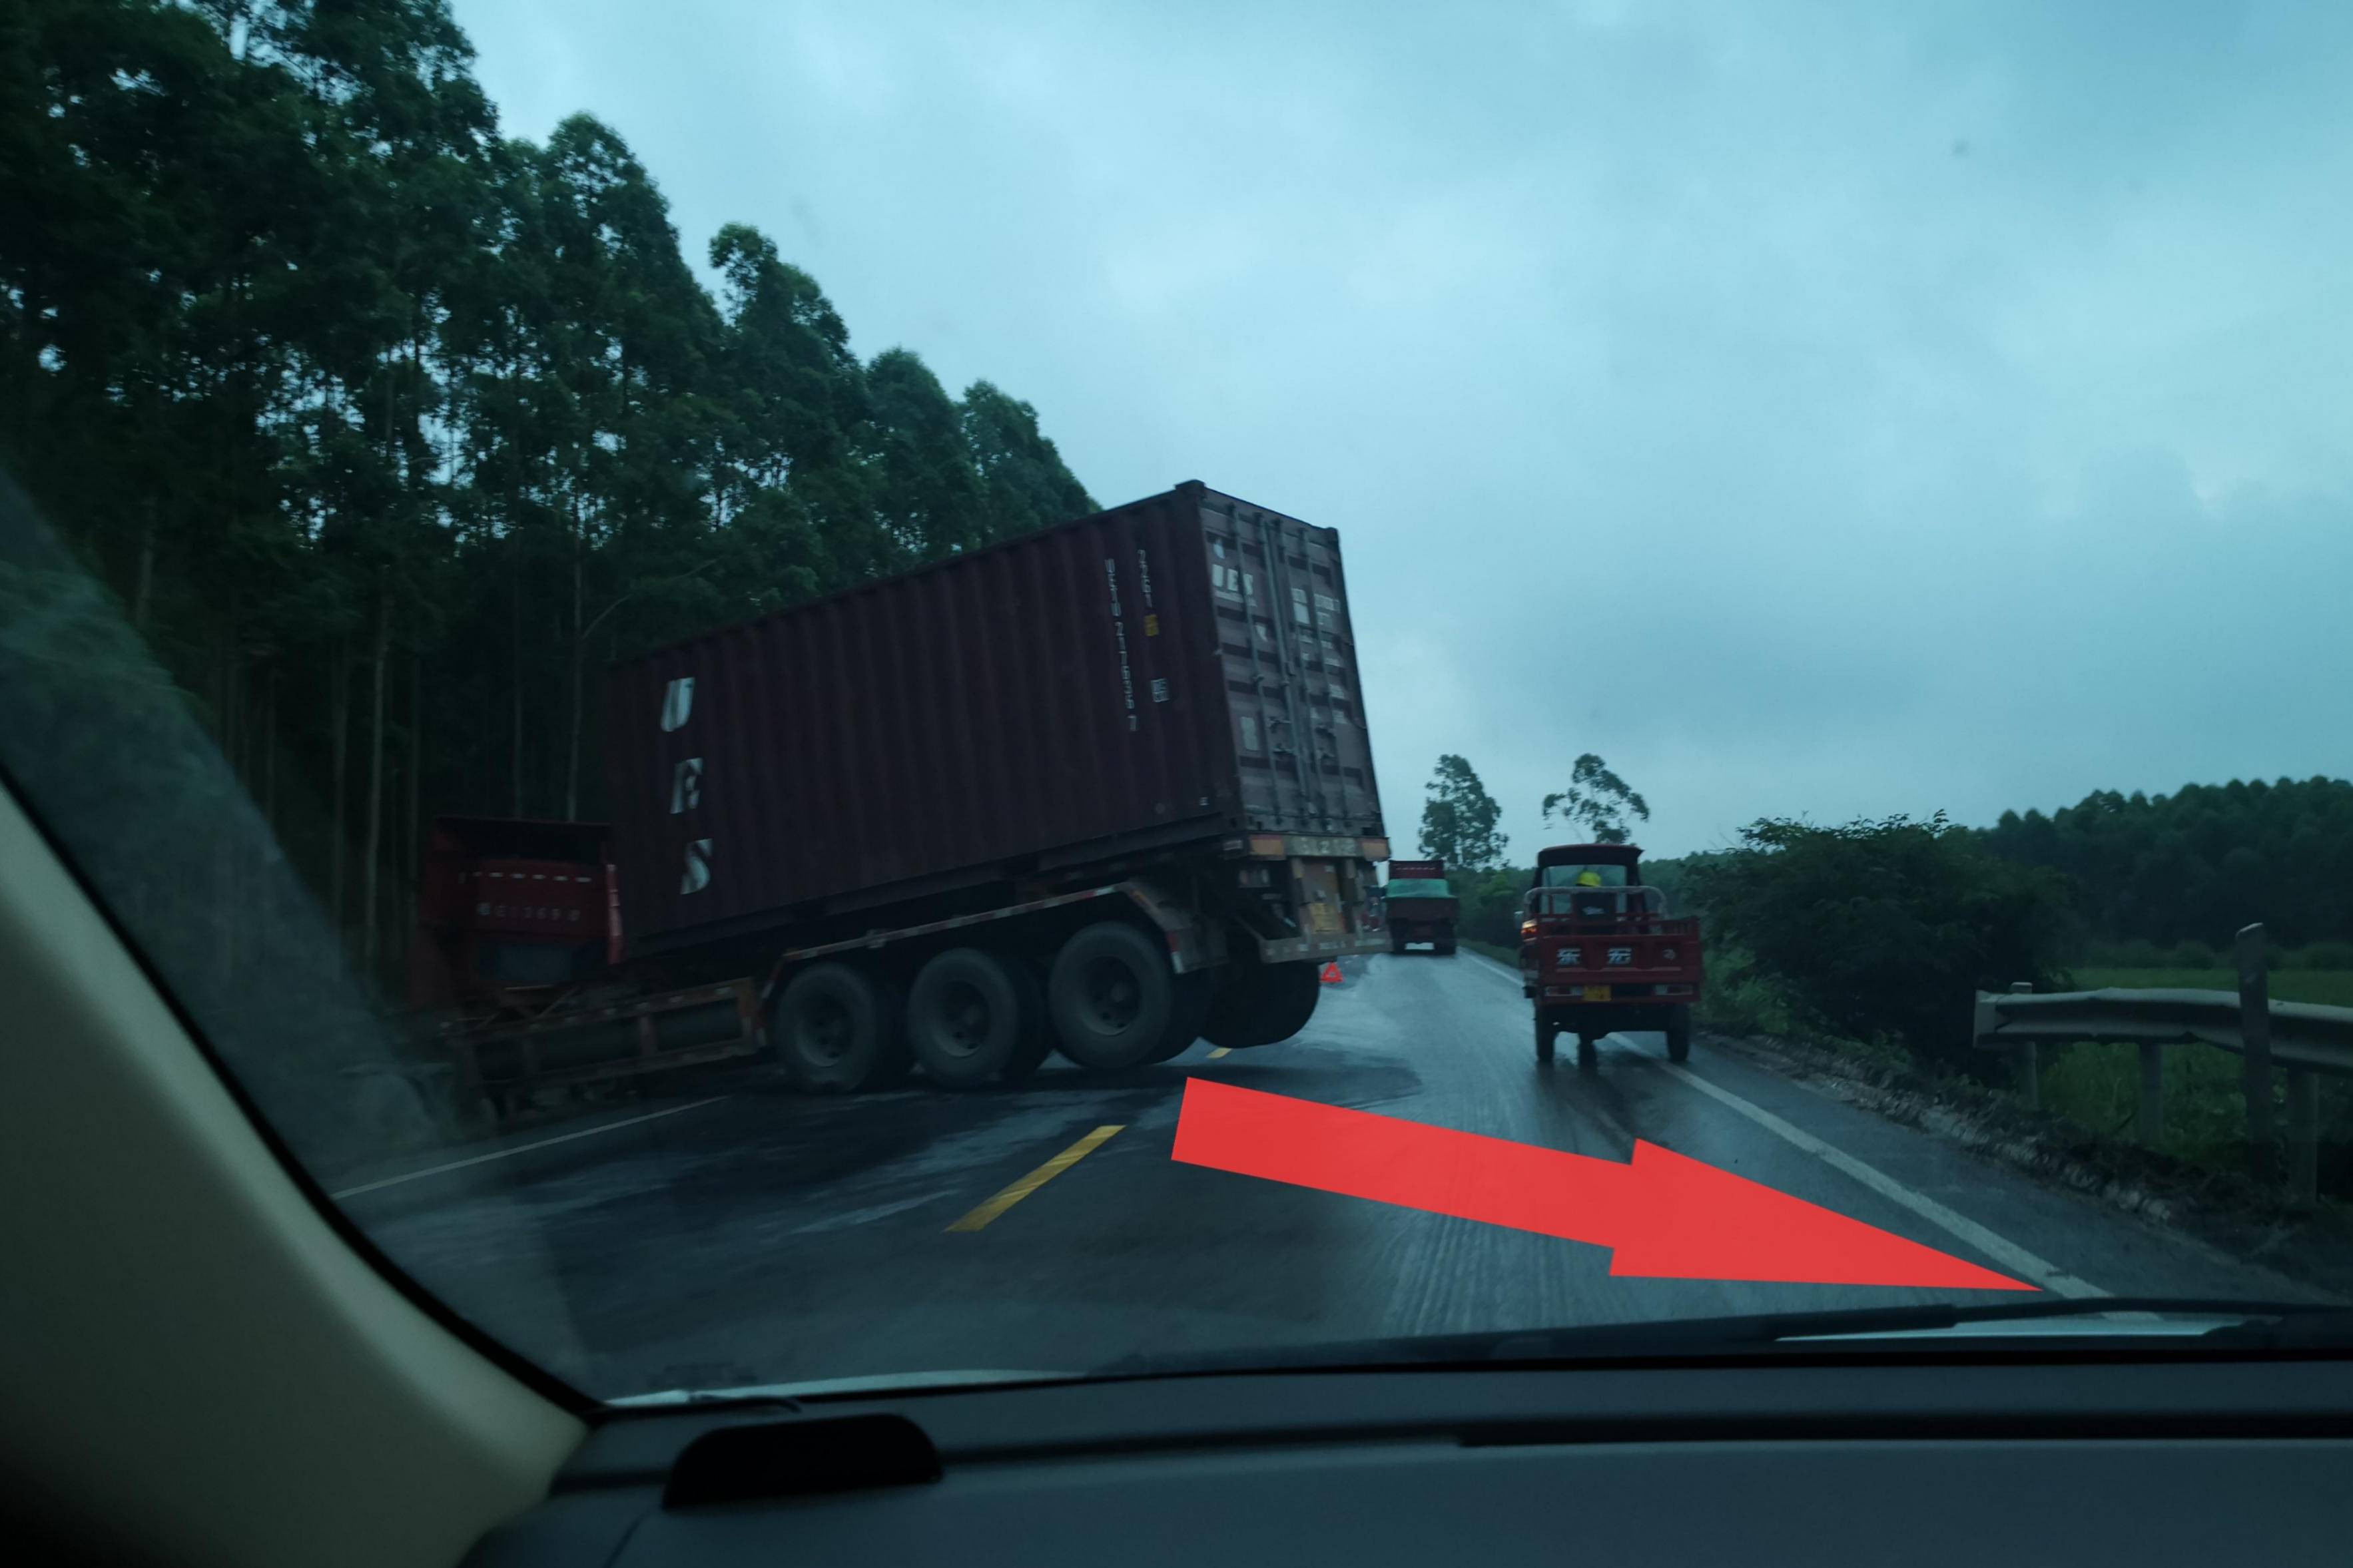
273,852
572,753
413,856
223,848
340,686
514,689
270,752
372,916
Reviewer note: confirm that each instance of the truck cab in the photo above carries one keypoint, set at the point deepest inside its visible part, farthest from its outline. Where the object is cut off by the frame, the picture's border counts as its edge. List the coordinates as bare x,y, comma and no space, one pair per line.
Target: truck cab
1599,951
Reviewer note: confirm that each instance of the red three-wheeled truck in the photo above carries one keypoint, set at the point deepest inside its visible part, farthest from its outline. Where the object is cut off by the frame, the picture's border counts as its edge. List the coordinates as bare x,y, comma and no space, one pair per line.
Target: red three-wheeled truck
1599,951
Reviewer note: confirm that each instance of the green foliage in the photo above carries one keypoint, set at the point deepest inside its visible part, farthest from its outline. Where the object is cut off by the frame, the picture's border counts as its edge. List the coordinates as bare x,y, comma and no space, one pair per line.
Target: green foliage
1490,905
1672,876
2199,864
1458,822
1881,932
1600,799
1023,482
385,431
1736,1000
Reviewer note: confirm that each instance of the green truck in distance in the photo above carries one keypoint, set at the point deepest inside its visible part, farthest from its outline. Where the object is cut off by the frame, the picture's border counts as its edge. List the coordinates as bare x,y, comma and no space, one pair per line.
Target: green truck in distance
1421,906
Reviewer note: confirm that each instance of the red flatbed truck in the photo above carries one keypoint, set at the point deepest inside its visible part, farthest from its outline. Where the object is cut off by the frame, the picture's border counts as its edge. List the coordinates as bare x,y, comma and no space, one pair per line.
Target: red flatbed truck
1598,953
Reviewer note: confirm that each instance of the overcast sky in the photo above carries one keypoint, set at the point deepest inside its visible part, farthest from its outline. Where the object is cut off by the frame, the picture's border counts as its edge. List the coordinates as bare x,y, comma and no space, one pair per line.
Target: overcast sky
1815,410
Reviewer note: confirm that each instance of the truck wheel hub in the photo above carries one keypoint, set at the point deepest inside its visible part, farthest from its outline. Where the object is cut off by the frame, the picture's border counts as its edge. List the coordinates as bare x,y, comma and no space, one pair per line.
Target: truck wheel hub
964,1021
1114,998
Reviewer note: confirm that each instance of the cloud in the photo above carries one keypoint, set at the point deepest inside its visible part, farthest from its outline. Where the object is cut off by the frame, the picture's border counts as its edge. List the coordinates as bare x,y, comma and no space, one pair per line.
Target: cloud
1680,392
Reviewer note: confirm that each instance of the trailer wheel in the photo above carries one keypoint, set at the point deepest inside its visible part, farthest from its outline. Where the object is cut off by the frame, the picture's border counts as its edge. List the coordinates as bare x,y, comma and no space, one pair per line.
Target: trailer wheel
965,1018
834,1028
1264,1005
1546,1032
1110,995
1195,993
1589,1057
1443,947
1679,1034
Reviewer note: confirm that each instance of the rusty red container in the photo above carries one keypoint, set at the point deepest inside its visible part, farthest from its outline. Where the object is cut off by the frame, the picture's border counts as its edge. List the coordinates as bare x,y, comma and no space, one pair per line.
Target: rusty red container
1137,684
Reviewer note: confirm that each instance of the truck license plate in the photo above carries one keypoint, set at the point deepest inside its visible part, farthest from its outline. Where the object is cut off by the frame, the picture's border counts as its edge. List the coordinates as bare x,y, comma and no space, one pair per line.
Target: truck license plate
1597,994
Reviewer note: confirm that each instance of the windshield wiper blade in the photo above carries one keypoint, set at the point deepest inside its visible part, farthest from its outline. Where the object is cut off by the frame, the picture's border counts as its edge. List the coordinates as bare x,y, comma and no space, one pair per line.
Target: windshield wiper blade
2320,1322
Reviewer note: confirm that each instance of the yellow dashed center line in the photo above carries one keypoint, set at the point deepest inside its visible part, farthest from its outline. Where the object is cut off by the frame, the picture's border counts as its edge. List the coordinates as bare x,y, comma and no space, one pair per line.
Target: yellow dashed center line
979,1217
1221,1050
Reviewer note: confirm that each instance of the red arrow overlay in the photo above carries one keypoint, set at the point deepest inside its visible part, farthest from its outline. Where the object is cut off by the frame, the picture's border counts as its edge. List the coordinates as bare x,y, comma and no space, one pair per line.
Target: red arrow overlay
1663,1217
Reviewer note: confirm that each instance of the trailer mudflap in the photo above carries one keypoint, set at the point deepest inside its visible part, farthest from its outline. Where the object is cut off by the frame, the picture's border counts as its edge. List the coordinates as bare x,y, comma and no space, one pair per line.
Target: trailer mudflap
1192,944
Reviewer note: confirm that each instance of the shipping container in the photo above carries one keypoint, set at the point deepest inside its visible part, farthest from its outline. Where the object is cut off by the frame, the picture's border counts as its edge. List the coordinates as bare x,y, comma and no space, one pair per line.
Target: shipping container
1141,683
1103,789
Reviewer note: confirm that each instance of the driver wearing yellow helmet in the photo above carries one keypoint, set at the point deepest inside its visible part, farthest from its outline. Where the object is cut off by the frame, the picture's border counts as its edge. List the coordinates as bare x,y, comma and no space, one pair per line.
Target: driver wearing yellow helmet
1588,877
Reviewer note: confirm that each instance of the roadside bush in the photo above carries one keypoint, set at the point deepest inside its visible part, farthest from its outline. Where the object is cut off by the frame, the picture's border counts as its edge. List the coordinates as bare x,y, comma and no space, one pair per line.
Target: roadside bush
2127,955
1490,905
1881,931
2183,955
1736,1000
2322,955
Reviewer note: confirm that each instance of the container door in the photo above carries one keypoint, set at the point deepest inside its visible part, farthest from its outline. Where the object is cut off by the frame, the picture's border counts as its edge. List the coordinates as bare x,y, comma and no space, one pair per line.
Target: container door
1290,659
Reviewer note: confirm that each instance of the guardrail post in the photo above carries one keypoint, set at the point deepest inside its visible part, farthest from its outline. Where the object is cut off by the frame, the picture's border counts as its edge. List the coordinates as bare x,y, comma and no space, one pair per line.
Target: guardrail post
2256,1037
2303,1137
2029,1059
2150,1123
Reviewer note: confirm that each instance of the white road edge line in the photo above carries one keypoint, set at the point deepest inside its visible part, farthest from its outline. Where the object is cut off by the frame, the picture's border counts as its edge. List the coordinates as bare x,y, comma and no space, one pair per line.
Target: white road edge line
2002,1249
2040,1270
523,1148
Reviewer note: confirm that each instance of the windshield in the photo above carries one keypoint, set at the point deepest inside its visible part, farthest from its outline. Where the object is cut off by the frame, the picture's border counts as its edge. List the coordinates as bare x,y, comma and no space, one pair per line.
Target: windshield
754,669
1584,876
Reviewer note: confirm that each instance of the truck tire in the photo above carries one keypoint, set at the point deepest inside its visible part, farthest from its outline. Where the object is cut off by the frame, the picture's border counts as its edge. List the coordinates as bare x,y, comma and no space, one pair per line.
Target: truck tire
1546,1032
1588,1057
1679,1034
1265,1003
1443,947
835,1028
1110,996
1396,944
965,1022
1036,1041
1195,993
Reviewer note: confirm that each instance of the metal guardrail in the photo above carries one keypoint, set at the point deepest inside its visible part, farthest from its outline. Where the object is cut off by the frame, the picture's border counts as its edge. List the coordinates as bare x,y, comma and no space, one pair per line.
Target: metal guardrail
2305,1035
2305,1038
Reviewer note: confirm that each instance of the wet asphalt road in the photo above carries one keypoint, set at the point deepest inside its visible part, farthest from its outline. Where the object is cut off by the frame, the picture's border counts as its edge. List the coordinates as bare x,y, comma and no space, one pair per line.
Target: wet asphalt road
768,1237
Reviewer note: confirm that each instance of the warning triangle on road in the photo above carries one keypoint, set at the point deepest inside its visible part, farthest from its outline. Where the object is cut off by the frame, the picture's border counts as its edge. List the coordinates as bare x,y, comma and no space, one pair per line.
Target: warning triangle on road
1332,974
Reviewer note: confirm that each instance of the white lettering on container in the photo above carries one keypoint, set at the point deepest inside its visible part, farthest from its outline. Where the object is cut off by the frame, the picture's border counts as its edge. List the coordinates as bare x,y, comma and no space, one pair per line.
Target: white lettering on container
677,703
1119,633
686,786
698,866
